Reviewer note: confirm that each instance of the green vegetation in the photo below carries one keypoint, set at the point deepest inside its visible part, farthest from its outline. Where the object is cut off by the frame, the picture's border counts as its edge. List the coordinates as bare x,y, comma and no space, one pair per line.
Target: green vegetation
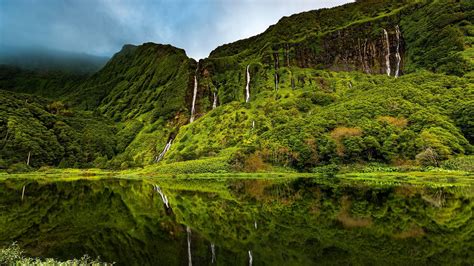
340,118
42,133
336,221
441,50
320,98
13,255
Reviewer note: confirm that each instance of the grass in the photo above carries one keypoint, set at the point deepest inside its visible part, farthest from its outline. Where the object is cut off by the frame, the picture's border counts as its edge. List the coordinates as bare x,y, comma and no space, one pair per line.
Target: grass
435,177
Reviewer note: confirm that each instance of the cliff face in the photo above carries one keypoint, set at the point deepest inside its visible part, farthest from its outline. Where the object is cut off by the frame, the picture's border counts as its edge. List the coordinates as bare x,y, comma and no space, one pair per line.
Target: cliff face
154,92
373,48
137,80
372,37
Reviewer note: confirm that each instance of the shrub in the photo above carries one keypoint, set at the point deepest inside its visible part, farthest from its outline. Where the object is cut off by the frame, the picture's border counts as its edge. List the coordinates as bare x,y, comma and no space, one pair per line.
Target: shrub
428,157
19,168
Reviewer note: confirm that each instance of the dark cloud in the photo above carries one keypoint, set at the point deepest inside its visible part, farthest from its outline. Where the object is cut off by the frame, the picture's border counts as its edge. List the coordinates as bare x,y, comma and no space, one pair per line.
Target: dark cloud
101,27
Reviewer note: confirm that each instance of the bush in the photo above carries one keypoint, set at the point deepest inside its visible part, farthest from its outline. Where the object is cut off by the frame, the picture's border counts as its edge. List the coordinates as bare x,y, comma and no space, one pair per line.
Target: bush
19,168
329,170
461,163
13,255
428,157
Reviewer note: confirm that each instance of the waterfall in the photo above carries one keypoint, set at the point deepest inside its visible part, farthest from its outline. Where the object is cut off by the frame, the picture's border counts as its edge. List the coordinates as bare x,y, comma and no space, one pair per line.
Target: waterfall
23,193
255,224
194,99
213,252
163,196
188,230
276,81
214,103
387,55
247,87
162,154
253,124
397,55
250,258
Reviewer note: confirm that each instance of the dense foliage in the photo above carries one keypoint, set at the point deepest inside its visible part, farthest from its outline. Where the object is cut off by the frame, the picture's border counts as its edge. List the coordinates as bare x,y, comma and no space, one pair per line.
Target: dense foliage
282,221
341,118
48,133
319,96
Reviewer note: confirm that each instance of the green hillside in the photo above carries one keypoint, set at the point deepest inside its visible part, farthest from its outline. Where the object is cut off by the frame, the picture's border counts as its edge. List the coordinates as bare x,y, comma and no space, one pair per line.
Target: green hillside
369,82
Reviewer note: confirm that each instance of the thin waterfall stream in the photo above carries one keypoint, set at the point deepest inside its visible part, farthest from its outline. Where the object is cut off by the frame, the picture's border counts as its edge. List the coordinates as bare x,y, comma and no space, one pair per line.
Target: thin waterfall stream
162,154
387,55
164,198
214,103
213,252
247,87
397,54
188,231
193,107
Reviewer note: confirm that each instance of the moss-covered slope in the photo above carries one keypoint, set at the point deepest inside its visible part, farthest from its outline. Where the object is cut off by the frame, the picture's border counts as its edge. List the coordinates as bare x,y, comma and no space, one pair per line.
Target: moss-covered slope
353,83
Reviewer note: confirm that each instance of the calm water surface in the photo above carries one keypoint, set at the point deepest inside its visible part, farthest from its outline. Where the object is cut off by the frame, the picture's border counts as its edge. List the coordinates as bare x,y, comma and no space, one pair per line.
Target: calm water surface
239,222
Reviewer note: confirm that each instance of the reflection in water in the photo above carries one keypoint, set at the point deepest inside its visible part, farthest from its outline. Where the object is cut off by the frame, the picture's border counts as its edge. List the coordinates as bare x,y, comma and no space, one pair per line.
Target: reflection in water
250,258
190,261
213,252
300,222
164,198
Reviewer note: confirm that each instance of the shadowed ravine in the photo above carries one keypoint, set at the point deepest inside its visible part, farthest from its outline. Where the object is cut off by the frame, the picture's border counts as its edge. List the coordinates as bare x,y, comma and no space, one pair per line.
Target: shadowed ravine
300,222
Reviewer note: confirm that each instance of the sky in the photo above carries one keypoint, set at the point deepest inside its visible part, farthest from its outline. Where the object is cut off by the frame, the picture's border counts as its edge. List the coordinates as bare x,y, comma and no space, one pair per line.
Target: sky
102,27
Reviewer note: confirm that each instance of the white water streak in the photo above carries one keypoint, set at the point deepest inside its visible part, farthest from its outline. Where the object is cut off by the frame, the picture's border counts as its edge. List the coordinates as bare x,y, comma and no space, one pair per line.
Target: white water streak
193,110
276,81
23,193
397,55
162,154
247,86
255,224
387,55
213,252
250,258
214,103
190,261
164,198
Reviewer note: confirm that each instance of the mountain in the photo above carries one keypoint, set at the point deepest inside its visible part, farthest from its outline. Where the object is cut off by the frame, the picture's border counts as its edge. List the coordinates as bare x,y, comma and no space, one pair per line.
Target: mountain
368,82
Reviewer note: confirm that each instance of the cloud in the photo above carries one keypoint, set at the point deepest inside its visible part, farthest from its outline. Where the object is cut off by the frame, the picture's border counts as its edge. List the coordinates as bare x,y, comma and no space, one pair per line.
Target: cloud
102,26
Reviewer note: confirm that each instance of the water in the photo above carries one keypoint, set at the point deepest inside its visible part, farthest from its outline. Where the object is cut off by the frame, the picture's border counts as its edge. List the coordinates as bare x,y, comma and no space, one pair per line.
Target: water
397,54
214,103
193,109
387,54
213,253
247,86
190,261
166,149
164,198
300,221
276,81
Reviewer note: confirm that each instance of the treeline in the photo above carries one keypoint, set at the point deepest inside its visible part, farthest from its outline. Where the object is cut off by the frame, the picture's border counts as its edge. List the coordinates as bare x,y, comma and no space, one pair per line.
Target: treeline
36,132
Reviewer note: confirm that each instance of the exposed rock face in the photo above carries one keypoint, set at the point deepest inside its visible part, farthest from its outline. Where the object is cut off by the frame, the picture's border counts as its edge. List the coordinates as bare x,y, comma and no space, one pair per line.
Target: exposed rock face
357,48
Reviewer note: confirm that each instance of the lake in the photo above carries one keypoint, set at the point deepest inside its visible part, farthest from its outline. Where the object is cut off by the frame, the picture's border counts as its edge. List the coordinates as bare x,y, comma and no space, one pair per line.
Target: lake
239,221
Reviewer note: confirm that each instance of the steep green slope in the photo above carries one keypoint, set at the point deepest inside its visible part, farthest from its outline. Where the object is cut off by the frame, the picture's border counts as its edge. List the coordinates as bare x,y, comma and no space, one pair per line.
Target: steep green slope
350,84
50,134
341,118
147,91
301,117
